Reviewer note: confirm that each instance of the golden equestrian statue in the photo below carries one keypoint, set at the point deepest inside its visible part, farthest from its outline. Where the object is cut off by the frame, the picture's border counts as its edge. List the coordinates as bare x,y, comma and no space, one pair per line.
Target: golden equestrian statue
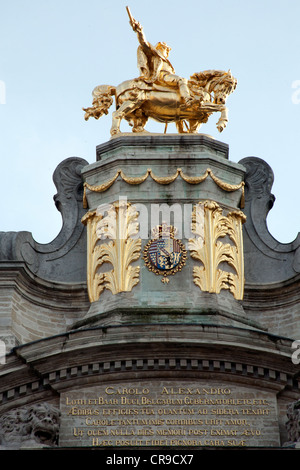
160,94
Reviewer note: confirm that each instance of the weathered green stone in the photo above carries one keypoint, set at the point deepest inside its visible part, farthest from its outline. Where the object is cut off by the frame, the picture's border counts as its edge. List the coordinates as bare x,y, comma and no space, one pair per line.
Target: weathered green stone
180,300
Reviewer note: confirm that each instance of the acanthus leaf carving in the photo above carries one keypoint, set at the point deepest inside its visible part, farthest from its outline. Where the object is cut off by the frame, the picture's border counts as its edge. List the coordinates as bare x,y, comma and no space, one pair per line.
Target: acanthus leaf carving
119,225
210,225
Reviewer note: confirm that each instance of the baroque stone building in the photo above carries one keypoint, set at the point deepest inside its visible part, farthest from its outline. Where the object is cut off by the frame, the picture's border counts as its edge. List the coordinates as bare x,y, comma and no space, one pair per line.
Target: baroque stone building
178,331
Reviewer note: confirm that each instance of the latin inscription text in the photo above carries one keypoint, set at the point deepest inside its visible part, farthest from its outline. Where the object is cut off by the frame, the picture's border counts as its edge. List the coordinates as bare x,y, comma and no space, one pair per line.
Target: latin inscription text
166,415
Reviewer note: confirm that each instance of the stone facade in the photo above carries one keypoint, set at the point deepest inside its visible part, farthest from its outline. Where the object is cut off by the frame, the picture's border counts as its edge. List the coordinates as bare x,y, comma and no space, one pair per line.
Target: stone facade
128,353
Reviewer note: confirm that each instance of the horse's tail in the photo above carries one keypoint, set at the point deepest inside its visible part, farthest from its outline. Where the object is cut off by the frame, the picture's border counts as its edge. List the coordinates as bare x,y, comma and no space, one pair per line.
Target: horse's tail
102,101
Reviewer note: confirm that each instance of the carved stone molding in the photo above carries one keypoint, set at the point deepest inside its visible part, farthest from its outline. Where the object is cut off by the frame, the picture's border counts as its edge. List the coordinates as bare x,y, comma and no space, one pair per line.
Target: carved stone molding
93,371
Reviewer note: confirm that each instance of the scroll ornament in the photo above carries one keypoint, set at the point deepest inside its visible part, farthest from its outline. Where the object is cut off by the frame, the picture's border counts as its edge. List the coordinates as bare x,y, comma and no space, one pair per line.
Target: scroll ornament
210,225
119,225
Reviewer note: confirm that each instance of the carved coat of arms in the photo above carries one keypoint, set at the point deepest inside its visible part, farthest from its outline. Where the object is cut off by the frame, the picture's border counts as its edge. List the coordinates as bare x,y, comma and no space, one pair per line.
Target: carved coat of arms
164,254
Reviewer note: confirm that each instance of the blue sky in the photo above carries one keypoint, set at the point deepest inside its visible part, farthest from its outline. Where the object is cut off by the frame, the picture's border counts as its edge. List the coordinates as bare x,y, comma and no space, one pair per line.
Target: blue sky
53,53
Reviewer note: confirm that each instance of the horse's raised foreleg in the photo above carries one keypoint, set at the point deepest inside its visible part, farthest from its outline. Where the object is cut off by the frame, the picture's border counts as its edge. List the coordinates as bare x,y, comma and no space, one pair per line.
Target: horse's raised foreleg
214,108
222,122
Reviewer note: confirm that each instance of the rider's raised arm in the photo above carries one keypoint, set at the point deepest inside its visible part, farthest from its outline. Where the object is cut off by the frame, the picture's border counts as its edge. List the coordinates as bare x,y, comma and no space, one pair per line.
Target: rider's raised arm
138,29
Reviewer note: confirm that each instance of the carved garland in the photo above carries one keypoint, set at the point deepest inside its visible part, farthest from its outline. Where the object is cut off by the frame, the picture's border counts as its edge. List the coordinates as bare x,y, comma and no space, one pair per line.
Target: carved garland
164,180
119,225
209,223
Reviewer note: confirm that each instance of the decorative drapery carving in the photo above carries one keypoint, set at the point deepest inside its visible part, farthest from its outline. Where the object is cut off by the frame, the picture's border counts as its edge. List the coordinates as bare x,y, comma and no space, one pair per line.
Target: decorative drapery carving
222,263
119,225
164,180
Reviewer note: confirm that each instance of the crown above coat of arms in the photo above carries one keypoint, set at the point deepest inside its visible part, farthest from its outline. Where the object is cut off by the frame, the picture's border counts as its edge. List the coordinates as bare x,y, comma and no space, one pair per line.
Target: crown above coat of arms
164,231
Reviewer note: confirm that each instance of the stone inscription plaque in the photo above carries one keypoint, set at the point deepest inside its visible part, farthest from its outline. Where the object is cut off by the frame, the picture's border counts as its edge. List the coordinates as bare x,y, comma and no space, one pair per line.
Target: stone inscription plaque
168,413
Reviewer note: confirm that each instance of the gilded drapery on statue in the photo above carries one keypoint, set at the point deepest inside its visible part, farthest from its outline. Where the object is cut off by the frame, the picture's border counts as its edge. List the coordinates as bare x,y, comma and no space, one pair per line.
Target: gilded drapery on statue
160,94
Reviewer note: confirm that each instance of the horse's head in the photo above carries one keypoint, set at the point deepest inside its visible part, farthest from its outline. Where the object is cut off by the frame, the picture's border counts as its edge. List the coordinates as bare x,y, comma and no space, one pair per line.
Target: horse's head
223,86
218,83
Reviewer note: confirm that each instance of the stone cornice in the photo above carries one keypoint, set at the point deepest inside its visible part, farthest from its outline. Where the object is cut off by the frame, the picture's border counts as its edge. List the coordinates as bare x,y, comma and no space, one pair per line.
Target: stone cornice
80,358
163,140
41,292
272,296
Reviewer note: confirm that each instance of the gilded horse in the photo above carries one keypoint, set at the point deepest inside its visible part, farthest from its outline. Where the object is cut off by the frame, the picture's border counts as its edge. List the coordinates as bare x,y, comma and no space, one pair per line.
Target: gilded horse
138,100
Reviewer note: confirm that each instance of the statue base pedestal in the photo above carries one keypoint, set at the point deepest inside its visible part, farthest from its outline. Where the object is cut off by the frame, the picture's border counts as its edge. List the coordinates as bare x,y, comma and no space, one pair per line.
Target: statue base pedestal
162,177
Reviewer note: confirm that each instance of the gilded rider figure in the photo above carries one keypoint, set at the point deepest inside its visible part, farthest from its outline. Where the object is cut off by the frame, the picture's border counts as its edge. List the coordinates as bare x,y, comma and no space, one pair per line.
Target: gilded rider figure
145,97
155,66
